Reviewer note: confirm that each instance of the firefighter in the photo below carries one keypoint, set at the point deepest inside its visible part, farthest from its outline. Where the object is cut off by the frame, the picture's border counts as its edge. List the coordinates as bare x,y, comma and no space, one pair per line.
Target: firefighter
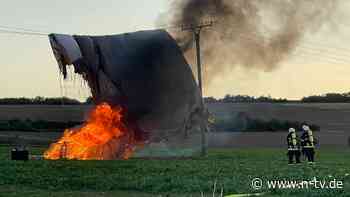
293,147
308,144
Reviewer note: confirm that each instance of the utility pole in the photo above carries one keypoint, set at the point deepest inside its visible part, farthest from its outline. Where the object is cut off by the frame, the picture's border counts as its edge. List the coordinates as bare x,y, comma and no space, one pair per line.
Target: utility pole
196,29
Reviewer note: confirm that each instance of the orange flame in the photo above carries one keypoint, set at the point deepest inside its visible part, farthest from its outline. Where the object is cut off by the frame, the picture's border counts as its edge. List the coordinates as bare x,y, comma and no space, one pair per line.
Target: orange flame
103,137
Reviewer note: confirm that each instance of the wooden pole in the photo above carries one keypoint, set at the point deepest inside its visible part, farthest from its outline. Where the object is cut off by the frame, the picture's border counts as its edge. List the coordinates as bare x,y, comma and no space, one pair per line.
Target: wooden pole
196,29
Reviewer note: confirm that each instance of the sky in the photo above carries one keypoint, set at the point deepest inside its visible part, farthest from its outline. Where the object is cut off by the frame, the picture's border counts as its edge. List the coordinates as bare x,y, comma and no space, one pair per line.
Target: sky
319,65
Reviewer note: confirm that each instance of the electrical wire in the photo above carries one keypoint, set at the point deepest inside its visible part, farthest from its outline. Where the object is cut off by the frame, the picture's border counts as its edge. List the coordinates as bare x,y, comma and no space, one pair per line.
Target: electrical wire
8,31
22,29
318,50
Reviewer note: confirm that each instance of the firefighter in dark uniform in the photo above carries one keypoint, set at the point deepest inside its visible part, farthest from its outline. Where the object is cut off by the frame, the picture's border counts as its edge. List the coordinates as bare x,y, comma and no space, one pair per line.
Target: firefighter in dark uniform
308,143
293,147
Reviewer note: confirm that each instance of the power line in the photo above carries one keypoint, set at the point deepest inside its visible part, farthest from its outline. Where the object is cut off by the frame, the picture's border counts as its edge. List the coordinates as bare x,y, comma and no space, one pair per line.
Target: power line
258,35
307,47
303,52
21,29
266,35
259,38
7,31
307,42
300,51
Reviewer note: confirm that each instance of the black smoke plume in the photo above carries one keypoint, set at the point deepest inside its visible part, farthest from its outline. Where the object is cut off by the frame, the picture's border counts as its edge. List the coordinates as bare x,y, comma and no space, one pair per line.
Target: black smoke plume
250,33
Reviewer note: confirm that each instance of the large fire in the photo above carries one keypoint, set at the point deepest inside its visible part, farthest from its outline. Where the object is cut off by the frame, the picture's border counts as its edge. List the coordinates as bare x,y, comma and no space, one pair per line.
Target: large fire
104,137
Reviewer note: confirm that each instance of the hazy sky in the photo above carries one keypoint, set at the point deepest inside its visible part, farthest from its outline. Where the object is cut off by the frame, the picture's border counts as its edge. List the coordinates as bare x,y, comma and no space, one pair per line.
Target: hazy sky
28,68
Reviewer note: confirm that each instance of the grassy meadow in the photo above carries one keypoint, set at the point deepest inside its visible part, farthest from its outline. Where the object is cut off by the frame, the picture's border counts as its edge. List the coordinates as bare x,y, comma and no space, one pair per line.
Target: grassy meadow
231,169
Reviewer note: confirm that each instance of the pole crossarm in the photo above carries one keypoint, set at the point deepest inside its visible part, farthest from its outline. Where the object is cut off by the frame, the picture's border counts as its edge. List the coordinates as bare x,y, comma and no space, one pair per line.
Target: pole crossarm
197,27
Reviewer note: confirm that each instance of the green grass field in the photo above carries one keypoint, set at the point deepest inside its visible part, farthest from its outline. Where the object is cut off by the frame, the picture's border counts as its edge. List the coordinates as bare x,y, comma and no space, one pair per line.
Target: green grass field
231,169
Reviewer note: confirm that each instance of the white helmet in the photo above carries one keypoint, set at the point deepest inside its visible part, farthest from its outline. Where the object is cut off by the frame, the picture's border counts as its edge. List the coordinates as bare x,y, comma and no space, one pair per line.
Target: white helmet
306,128
291,130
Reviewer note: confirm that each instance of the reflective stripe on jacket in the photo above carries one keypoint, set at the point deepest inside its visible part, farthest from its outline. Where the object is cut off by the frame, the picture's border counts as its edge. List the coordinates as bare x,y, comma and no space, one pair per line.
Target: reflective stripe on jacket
292,141
307,139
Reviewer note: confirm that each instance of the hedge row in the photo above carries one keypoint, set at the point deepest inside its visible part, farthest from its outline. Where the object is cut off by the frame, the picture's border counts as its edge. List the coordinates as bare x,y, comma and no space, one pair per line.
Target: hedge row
28,125
242,122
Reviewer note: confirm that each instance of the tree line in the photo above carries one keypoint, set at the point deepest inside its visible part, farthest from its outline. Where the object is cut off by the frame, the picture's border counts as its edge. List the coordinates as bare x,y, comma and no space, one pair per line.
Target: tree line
245,99
40,101
328,98
324,98
242,122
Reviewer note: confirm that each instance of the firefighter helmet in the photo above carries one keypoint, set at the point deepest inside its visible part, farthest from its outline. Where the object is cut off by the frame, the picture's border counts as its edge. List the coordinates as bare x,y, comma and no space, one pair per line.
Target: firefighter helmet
306,128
